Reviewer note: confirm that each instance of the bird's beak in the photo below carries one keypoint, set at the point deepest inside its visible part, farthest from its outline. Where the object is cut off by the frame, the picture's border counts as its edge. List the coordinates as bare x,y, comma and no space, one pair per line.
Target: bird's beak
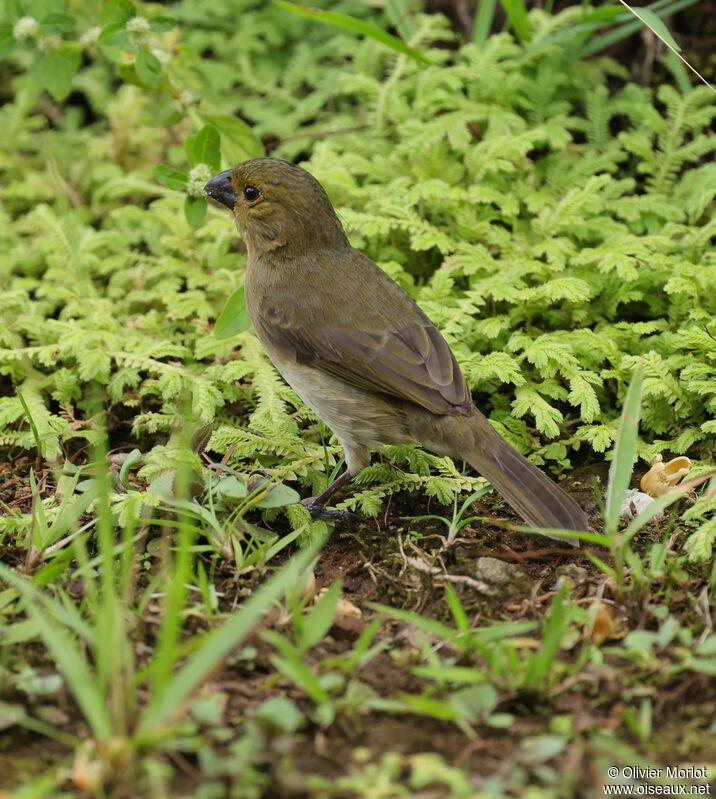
220,190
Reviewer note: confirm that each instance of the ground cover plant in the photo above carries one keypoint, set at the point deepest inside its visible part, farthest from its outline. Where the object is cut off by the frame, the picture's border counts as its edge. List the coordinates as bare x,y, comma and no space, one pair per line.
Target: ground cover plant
172,622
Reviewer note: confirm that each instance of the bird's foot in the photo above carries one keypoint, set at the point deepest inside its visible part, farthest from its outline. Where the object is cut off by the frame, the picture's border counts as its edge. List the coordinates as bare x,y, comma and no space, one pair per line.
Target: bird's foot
319,511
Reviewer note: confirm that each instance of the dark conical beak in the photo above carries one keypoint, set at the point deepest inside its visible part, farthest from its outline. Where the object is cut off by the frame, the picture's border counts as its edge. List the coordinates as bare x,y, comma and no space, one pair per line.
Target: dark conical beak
220,190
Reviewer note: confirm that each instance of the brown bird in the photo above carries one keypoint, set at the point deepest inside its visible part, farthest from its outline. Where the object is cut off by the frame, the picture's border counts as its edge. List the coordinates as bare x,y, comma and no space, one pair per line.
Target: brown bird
356,348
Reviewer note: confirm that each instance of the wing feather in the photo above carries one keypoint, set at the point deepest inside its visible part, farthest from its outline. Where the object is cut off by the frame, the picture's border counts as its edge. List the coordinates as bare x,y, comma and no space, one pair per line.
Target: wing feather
411,362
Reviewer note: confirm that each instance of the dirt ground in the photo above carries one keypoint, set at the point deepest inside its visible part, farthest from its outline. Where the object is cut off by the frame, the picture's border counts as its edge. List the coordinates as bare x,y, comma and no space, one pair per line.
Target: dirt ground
403,564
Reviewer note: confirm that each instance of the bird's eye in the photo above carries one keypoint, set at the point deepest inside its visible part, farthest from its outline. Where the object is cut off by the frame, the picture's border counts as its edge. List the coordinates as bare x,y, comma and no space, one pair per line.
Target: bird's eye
251,193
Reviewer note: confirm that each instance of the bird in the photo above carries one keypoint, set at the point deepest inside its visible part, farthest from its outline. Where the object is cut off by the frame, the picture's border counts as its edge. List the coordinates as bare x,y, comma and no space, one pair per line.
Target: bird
357,349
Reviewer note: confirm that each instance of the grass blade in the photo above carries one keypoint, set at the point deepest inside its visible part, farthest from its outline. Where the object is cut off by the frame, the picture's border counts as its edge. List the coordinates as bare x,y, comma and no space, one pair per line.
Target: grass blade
657,27
66,653
554,630
516,11
221,641
483,21
353,25
629,28
624,452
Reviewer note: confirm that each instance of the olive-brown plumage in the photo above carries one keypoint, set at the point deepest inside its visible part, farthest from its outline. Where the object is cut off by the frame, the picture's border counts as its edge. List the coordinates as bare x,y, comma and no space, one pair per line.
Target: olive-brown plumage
356,348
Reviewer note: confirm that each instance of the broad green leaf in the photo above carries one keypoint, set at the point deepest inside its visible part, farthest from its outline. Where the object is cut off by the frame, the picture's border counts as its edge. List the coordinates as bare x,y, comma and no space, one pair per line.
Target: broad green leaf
238,141
54,72
57,22
207,148
7,40
678,70
234,319
703,665
541,748
278,496
171,178
114,35
159,24
433,708
295,669
116,12
281,712
475,702
148,68
40,8
231,487
194,210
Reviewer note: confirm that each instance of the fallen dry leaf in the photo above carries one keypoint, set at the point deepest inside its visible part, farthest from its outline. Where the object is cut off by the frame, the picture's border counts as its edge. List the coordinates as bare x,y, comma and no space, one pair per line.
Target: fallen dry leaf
664,476
601,619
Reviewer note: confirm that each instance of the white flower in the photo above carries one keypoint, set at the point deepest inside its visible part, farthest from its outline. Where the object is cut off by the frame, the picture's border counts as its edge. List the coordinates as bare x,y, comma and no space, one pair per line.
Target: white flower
25,28
90,36
198,178
186,98
48,43
137,25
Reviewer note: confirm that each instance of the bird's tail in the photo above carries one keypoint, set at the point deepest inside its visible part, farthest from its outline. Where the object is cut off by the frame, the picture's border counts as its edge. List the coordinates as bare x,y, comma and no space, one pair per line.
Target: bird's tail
540,502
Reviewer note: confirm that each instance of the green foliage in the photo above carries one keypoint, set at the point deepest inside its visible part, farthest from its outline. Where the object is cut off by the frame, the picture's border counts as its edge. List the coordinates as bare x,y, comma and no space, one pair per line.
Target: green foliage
555,222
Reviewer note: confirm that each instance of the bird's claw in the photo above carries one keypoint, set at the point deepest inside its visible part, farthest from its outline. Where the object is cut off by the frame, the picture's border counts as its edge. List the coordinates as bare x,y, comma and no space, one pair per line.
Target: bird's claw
319,511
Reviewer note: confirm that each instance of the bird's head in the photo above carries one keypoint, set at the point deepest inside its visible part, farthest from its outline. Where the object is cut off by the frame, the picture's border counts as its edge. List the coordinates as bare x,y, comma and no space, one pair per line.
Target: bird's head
277,205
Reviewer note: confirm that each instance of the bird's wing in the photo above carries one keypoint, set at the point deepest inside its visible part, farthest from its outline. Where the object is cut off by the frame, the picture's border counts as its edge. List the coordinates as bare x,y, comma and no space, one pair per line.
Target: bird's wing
411,361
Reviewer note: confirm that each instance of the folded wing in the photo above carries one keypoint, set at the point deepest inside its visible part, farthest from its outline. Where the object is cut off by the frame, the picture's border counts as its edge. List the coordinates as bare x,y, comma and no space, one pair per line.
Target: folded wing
411,362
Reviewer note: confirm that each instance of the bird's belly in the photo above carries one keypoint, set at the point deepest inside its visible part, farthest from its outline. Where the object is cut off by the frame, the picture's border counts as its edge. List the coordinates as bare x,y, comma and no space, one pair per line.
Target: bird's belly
357,417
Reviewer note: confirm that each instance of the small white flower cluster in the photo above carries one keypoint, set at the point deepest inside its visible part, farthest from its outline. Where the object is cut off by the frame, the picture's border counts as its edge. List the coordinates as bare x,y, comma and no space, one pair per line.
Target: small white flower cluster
137,25
47,44
137,30
25,28
198,177
186,98
90,36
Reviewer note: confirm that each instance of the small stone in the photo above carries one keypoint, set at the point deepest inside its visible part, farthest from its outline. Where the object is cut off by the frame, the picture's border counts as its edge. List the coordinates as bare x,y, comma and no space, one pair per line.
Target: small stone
499,575
346,608
635,503
575,574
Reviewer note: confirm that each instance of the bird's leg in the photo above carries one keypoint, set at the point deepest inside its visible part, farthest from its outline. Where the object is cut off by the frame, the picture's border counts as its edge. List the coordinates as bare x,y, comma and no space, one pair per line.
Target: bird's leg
315,505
